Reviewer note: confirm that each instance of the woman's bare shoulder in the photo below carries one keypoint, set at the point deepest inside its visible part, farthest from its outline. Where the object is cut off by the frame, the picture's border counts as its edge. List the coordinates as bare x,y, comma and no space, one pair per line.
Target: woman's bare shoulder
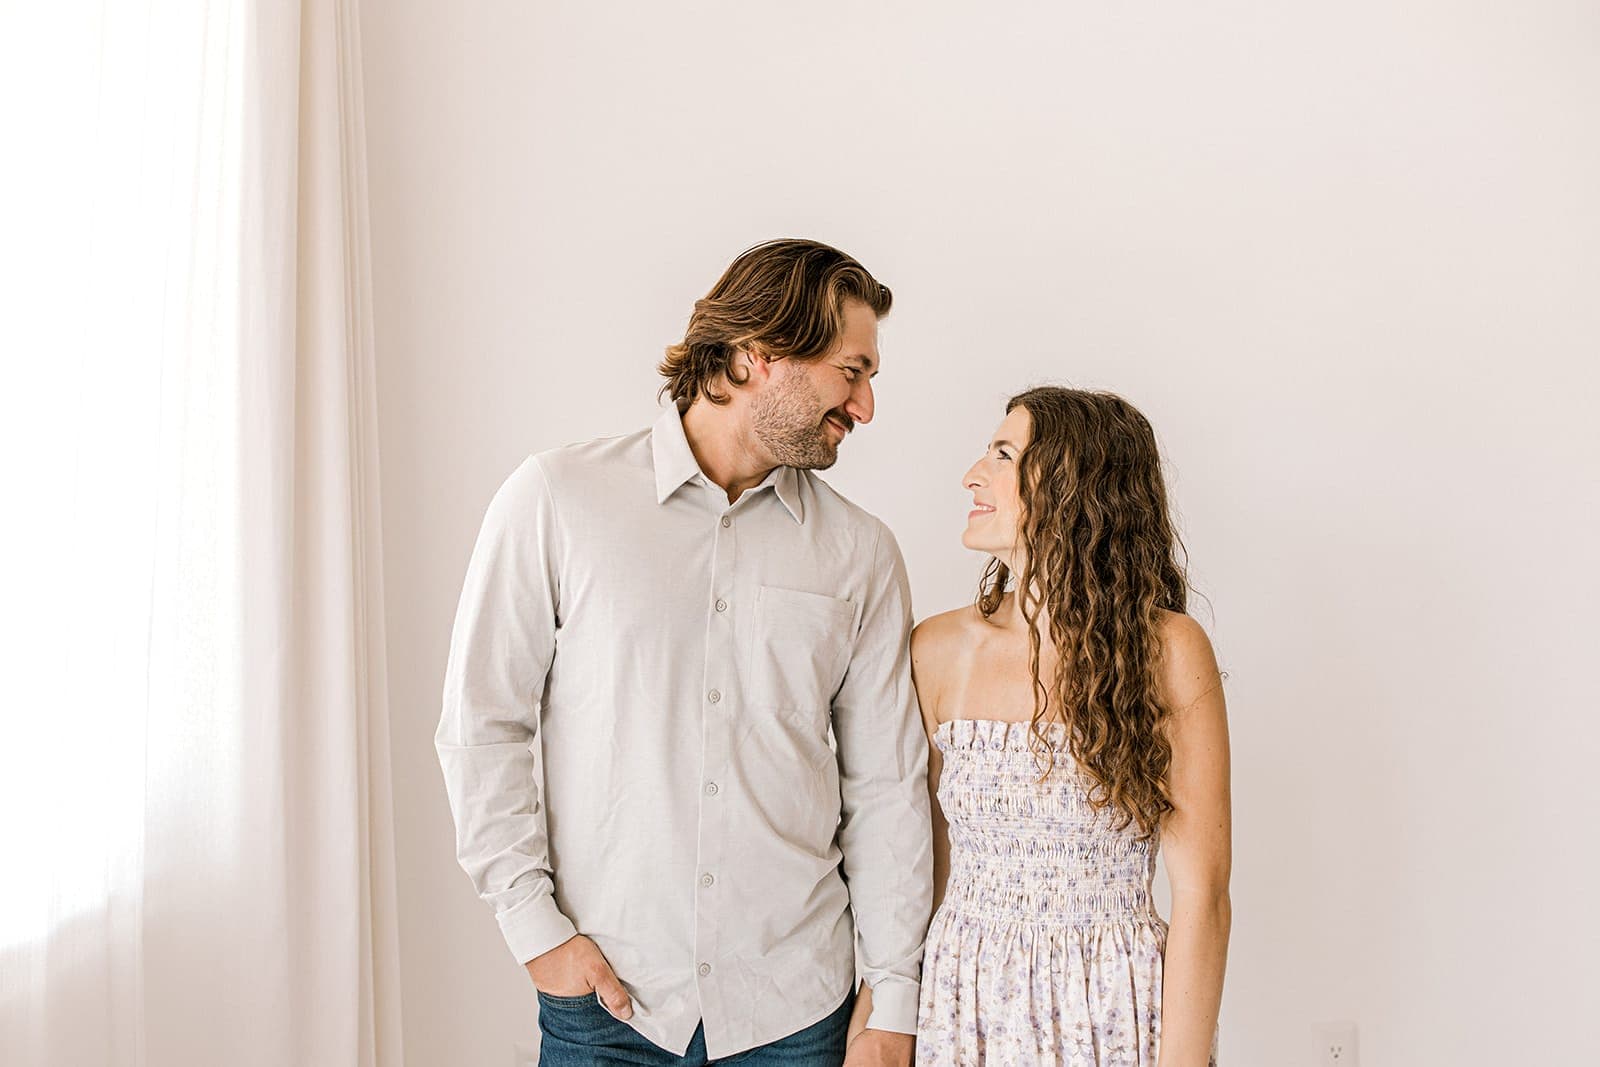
945,632
940,646
1189,664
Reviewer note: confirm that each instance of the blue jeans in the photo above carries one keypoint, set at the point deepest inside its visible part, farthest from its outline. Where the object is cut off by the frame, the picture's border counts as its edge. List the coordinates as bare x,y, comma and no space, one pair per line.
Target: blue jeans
579,1032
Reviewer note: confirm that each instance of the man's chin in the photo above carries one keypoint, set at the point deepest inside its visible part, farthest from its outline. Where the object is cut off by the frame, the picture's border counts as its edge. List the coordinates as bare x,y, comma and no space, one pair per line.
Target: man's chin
825,455
812,451
817,463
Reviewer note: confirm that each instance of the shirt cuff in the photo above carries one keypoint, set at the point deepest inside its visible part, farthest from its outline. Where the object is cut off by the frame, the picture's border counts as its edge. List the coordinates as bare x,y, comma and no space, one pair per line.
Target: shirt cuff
534,927
894,1005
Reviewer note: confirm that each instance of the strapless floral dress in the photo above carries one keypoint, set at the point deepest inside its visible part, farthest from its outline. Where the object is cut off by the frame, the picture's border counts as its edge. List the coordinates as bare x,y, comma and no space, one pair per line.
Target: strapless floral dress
1047,948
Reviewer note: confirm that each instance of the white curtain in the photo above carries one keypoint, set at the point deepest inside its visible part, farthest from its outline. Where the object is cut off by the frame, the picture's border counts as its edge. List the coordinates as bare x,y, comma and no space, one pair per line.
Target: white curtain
196,840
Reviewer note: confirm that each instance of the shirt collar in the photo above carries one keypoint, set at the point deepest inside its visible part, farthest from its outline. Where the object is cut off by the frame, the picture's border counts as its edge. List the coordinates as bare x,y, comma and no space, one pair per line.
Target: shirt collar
675,464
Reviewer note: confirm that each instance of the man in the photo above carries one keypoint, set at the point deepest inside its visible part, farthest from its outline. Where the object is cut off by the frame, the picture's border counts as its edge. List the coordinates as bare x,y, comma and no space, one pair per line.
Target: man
679,732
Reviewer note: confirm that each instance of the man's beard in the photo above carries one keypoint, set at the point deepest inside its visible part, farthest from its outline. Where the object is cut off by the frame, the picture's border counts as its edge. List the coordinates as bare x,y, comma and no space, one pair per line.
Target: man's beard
788,421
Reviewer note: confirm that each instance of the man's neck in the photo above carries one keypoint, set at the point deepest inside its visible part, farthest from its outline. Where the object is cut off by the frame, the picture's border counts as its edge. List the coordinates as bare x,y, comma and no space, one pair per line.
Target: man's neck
725,448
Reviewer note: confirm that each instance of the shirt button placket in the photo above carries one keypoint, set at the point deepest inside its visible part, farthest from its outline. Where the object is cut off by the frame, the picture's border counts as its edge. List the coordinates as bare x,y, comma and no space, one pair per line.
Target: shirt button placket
719,708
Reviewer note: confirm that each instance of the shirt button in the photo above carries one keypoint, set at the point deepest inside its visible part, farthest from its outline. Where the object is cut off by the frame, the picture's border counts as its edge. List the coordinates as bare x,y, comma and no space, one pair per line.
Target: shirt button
715,696
711,789
726,522
722,605
706,879
704,969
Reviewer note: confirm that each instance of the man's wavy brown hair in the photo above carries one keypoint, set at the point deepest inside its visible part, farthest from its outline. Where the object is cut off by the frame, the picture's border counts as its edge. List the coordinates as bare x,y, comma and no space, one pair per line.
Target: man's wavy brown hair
1101,558
785,299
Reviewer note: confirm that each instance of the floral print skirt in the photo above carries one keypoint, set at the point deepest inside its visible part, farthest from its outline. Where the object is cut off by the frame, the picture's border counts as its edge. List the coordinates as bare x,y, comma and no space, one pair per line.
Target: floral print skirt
1005,993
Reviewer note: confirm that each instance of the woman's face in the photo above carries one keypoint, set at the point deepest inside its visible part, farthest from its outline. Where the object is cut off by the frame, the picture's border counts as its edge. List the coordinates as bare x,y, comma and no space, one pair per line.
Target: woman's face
996,503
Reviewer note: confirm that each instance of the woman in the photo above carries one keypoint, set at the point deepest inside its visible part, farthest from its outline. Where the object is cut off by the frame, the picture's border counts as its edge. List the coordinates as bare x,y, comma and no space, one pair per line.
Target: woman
1076,723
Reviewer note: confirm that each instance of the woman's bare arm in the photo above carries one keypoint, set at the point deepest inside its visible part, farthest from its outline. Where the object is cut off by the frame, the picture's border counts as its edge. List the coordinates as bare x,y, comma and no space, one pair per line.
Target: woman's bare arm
1197,844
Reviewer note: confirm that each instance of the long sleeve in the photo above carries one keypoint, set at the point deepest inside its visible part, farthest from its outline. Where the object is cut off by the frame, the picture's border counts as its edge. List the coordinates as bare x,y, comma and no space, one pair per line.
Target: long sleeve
885,831
501,647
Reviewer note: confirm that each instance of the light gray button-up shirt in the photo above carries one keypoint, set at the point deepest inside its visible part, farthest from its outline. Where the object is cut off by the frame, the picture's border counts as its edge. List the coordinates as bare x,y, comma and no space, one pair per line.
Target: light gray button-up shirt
680,727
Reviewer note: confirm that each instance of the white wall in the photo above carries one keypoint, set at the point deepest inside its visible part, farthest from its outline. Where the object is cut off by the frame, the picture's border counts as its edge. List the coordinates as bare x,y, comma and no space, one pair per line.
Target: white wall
1345,256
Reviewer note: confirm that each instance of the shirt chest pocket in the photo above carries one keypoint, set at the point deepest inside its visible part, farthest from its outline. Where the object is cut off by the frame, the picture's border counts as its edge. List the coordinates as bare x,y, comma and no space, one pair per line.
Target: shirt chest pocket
798,652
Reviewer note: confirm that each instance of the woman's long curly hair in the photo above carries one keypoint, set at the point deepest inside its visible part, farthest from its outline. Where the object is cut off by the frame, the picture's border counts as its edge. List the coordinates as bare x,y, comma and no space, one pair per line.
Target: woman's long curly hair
1101,558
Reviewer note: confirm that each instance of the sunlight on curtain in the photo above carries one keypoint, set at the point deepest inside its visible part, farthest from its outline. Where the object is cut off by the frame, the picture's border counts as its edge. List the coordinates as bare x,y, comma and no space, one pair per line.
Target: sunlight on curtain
123,214
193,781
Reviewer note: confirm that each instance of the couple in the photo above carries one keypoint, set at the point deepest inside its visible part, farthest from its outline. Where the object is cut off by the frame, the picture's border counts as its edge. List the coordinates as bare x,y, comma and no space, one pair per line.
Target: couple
690,737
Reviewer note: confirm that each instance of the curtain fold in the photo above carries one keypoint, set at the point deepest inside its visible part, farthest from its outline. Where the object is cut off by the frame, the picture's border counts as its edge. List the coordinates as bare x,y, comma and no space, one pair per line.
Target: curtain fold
198,791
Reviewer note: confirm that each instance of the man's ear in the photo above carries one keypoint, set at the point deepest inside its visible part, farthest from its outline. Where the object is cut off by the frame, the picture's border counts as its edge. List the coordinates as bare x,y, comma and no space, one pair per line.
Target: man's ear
757,367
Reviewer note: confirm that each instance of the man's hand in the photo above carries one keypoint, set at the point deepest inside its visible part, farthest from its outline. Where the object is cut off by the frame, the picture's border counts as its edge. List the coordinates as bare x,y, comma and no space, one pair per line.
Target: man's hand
880,1048
576,967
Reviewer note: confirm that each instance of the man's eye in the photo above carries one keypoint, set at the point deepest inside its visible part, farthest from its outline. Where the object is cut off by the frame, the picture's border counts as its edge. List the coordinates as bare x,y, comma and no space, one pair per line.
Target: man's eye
851,374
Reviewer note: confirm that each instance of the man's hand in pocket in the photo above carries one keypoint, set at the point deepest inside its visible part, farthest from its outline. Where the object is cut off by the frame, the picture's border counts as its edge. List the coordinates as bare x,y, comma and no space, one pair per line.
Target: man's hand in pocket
576,967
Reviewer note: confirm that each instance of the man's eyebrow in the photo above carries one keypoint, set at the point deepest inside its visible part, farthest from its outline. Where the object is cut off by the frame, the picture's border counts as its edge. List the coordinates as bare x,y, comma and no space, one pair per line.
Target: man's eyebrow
864,363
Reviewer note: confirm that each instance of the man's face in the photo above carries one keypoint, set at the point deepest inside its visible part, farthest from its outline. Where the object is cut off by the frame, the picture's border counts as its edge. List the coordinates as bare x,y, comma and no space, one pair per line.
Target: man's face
807,408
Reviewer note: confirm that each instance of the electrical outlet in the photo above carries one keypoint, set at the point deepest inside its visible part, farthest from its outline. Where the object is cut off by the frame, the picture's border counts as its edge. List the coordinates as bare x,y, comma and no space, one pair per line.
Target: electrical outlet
1335,1045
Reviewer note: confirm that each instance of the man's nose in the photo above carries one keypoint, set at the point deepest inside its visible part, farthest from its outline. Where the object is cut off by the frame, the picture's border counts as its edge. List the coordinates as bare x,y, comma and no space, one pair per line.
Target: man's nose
859,405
